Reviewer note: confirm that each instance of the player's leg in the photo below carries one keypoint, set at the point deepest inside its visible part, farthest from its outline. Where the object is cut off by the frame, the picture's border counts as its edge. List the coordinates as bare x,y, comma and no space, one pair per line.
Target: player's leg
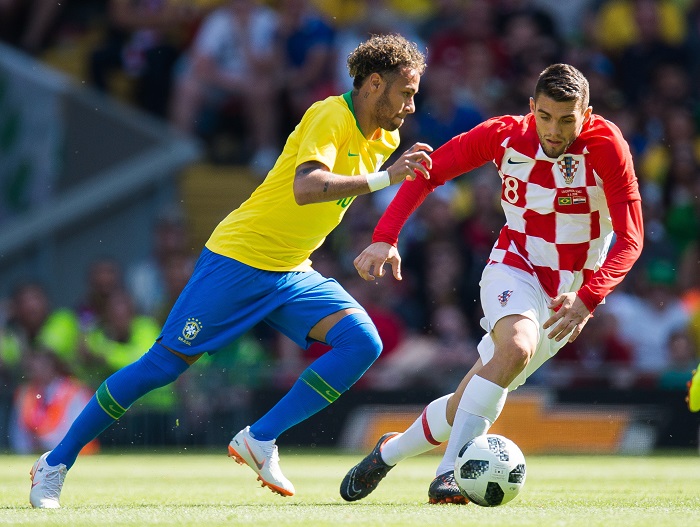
514,309
429,430
157,368
192,328
484,395
337,319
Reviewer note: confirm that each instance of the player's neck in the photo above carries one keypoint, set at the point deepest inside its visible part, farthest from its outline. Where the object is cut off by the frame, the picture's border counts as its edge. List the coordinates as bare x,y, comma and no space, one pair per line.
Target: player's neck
363,113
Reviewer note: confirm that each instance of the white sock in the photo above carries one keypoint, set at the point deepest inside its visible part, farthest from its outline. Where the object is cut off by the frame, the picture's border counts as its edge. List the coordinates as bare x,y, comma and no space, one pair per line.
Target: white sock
480,406
426,432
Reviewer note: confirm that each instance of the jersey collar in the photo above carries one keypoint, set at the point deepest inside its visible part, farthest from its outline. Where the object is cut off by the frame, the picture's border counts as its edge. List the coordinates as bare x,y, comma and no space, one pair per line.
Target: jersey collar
348,100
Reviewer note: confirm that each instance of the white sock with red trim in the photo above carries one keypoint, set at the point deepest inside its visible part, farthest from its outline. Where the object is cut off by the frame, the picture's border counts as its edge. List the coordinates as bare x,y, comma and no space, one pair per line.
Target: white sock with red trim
426,432
480,406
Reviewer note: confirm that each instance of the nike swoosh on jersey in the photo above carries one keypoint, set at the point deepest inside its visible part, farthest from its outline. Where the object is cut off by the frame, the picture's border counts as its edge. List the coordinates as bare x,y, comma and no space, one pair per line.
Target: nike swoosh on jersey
350,154
255,460
511,162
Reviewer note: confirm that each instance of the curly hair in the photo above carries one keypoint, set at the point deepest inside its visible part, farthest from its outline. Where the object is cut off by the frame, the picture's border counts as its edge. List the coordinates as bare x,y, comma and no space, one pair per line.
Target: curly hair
384,54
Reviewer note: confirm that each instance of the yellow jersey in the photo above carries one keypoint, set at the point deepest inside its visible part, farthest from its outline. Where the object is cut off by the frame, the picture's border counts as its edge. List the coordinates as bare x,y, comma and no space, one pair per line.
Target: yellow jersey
270,231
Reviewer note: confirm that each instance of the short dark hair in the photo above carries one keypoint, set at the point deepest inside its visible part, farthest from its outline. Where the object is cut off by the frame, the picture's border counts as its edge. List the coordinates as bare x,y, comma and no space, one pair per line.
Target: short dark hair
384,54
563,82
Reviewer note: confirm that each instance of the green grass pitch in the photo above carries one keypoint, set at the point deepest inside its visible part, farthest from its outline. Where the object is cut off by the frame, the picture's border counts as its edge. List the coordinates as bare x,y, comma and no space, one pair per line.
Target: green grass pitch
203,488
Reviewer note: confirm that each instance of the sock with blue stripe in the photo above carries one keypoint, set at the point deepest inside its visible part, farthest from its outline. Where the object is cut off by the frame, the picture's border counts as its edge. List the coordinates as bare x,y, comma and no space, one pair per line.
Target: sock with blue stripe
356,345
154,369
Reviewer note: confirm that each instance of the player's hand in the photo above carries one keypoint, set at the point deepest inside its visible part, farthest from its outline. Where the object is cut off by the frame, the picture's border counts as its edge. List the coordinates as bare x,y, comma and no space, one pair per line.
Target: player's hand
572,315
370,262
415,159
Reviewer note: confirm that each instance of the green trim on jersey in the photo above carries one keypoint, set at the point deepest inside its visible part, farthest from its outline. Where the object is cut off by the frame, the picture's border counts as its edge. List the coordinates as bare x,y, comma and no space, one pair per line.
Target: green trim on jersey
111,407
324,389
347,96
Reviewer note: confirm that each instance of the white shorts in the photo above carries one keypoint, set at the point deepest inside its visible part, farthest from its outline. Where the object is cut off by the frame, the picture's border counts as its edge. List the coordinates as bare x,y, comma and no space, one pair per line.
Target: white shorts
506,290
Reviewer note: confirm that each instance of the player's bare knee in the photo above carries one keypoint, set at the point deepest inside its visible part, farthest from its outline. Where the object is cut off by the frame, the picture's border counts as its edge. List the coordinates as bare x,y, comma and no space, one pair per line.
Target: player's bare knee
517,357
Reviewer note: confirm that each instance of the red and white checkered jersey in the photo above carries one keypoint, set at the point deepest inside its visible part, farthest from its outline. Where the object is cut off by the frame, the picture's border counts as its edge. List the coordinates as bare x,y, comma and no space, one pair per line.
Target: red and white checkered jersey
558,221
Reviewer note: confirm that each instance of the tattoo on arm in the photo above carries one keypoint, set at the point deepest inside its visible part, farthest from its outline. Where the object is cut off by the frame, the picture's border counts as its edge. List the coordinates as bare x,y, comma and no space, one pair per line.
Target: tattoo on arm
325,187
306,171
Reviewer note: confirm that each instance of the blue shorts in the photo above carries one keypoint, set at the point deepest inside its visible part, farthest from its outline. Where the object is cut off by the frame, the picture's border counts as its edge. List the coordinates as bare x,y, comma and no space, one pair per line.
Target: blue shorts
224,298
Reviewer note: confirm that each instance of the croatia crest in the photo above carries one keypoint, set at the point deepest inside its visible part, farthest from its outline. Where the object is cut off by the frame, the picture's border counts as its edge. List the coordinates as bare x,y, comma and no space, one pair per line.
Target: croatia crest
568,167
504,296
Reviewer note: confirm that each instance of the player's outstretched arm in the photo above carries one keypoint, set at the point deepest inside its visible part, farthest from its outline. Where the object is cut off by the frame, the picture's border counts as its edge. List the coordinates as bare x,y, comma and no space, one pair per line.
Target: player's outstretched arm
315,183
370,262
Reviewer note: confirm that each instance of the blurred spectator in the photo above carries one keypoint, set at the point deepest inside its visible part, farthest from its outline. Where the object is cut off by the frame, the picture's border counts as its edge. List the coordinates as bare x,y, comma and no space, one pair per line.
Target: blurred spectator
530,43
120,339
177,270
683,359
598,357
28,24
444,113
46,404
445,17
642,35
153,281
434,360
32,325
104,277
623,23
648,319
143,40
306,44
473,24
232,63
681,198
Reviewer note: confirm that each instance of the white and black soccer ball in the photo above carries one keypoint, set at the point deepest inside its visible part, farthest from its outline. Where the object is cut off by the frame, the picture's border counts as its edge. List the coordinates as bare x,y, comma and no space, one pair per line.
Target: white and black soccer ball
490,470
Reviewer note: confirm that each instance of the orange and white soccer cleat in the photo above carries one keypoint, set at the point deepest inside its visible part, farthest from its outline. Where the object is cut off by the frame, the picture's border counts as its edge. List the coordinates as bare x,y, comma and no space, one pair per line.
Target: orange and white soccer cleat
47,482
263,458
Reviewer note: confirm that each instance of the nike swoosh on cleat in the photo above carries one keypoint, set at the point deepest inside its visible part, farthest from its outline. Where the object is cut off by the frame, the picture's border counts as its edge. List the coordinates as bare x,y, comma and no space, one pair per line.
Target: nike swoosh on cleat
255,460
352,492
511,162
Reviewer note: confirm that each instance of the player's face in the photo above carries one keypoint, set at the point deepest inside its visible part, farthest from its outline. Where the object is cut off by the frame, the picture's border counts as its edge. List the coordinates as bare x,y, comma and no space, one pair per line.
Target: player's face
396,101
558,123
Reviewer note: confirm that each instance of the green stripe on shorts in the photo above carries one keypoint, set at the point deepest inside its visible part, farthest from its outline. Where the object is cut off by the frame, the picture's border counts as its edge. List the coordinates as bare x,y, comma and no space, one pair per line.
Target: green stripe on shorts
324,389
107,402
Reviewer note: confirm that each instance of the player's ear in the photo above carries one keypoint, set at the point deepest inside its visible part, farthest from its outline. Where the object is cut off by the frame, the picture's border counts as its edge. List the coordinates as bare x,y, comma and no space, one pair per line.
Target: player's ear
375,81
532,105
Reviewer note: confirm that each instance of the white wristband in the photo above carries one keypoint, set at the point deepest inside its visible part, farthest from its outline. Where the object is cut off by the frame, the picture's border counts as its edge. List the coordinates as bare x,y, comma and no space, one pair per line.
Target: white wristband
378,180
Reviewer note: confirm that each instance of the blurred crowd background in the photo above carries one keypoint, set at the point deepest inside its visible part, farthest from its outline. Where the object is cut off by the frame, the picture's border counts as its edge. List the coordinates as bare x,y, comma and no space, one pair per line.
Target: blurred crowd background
239,74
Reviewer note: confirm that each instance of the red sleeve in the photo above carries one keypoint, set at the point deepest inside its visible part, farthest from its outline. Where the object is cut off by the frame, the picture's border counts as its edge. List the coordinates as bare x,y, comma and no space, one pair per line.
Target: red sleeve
457,156
612,161
629,231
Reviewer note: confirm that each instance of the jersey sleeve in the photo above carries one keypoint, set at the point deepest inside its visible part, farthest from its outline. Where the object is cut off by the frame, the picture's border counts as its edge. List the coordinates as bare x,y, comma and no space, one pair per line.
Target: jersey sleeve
629,231
457,156
613,163
323,130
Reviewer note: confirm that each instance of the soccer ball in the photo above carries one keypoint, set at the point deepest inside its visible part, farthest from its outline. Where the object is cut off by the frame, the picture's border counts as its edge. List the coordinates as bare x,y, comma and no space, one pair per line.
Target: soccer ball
490,470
